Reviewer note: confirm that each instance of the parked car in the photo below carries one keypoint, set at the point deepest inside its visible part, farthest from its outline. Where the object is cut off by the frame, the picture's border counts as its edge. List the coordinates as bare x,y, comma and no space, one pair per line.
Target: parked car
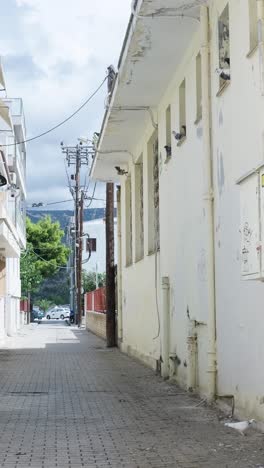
58,313
38,314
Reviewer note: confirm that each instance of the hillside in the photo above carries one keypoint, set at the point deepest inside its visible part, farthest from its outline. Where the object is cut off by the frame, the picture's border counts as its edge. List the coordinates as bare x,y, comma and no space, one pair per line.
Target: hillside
63,216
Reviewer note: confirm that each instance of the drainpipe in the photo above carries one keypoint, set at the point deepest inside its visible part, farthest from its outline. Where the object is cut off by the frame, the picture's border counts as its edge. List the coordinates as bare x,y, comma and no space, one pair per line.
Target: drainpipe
119,269
260,16
192,356
208,201
165,351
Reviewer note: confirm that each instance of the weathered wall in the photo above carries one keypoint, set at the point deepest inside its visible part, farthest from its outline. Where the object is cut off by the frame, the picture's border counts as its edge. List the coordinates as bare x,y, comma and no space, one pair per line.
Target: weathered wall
238,124
96,323
237,147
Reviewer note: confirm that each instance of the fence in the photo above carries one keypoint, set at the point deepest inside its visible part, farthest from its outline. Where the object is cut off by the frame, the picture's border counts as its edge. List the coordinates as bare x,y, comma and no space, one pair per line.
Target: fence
96,301
24,306
95,308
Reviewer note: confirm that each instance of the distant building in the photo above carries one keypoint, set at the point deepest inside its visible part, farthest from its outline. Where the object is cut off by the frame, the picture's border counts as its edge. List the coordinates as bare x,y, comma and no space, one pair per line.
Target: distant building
96,231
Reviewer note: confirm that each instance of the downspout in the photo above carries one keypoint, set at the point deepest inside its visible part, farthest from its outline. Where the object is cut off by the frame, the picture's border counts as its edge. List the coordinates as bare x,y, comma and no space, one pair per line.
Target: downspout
260,16
165,343
119,270
208,201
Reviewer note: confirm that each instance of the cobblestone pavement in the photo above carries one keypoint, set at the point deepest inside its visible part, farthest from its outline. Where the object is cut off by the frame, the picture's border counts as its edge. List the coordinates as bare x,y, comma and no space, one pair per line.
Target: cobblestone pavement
66,401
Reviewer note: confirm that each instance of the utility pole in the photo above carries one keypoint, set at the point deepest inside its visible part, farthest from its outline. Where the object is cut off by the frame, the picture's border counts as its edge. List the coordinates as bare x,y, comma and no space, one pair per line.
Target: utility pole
78,155
77,235
110,268
79,270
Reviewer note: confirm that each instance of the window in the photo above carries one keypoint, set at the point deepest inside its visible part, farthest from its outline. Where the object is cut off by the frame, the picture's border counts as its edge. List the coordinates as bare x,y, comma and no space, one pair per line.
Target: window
224,47
168,132
182,113
198,87
153,194
128,202
91,244
139,210
253,24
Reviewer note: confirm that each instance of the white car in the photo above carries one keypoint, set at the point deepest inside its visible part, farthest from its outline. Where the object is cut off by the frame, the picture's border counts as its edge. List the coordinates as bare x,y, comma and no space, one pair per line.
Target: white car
58,313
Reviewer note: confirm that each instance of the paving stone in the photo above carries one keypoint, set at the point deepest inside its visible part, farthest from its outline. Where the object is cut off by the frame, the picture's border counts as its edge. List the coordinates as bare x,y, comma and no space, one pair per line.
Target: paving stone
68,401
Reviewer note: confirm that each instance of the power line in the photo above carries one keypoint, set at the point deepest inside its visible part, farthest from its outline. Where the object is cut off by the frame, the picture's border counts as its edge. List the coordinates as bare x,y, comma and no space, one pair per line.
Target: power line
42,204
48,261
92,197
63,122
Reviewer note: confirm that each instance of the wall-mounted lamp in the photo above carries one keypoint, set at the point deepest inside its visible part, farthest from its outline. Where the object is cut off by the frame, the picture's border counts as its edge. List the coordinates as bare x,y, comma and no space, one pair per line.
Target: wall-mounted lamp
224,73
179,135
168,150
120,171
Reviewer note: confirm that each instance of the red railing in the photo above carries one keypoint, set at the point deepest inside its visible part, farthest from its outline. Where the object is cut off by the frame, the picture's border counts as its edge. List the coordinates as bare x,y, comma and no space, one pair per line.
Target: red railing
95,300
24,305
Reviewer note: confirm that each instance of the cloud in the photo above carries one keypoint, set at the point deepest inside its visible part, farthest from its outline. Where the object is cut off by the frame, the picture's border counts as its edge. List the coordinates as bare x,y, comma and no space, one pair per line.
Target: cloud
55,55
23,67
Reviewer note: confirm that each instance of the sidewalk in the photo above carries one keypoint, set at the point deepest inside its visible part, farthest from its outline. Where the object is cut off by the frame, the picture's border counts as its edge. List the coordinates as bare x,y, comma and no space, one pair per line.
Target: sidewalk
67,401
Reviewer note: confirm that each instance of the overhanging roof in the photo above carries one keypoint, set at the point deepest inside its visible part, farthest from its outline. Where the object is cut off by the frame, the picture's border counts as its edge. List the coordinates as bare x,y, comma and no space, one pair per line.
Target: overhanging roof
154,45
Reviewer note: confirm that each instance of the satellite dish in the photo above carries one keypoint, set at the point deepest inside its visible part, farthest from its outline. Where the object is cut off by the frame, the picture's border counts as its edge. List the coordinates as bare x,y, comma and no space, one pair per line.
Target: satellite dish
3,181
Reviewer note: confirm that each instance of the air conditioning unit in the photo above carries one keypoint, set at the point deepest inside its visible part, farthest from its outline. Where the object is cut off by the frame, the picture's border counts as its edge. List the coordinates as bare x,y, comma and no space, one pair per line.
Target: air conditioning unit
13,178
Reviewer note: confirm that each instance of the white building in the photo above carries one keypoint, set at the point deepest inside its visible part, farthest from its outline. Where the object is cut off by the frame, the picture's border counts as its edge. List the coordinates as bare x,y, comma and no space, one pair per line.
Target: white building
12,210
95,229
191,214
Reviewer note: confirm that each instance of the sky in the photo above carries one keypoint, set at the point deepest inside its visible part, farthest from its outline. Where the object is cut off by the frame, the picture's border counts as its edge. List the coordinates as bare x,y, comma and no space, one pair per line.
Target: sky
55,54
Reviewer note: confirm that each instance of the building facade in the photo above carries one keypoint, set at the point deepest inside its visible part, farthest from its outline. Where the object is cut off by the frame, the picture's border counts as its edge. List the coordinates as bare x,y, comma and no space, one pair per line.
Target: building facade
186,123
95,242
13,210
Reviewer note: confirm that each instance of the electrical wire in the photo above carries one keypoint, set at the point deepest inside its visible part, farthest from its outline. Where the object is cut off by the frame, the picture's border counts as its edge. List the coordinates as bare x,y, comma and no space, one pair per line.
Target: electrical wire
92,197
47,261
68,179
61,123
48,204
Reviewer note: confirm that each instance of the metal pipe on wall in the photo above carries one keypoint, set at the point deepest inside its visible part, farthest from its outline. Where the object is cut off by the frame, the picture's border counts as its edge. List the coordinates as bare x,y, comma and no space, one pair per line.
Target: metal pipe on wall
119,269
165,344
260,17
208,201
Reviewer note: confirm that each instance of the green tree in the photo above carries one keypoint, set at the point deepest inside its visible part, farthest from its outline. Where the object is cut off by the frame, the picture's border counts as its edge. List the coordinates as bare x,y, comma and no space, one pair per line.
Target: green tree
44,304
45,253
89,280
45,237
29,272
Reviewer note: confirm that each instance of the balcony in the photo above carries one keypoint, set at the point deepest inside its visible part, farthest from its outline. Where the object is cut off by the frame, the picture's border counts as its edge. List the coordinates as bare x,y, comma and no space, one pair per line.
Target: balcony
17,115
12,226
17,163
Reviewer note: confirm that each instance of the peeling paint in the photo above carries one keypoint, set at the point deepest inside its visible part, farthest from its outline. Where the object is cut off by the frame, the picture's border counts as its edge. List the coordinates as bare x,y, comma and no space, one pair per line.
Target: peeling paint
220,173
143,43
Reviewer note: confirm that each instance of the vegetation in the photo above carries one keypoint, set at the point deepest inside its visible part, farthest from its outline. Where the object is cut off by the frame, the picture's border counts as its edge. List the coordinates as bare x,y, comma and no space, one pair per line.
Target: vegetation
45,253
89,280
56,288
44,304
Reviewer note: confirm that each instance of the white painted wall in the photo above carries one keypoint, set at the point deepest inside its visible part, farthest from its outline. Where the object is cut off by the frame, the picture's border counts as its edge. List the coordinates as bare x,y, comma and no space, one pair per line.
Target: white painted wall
96,229
238,122
237,147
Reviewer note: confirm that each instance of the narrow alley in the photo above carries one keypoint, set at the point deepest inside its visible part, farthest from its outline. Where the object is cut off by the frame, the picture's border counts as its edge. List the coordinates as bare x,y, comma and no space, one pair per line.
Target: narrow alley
67,401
